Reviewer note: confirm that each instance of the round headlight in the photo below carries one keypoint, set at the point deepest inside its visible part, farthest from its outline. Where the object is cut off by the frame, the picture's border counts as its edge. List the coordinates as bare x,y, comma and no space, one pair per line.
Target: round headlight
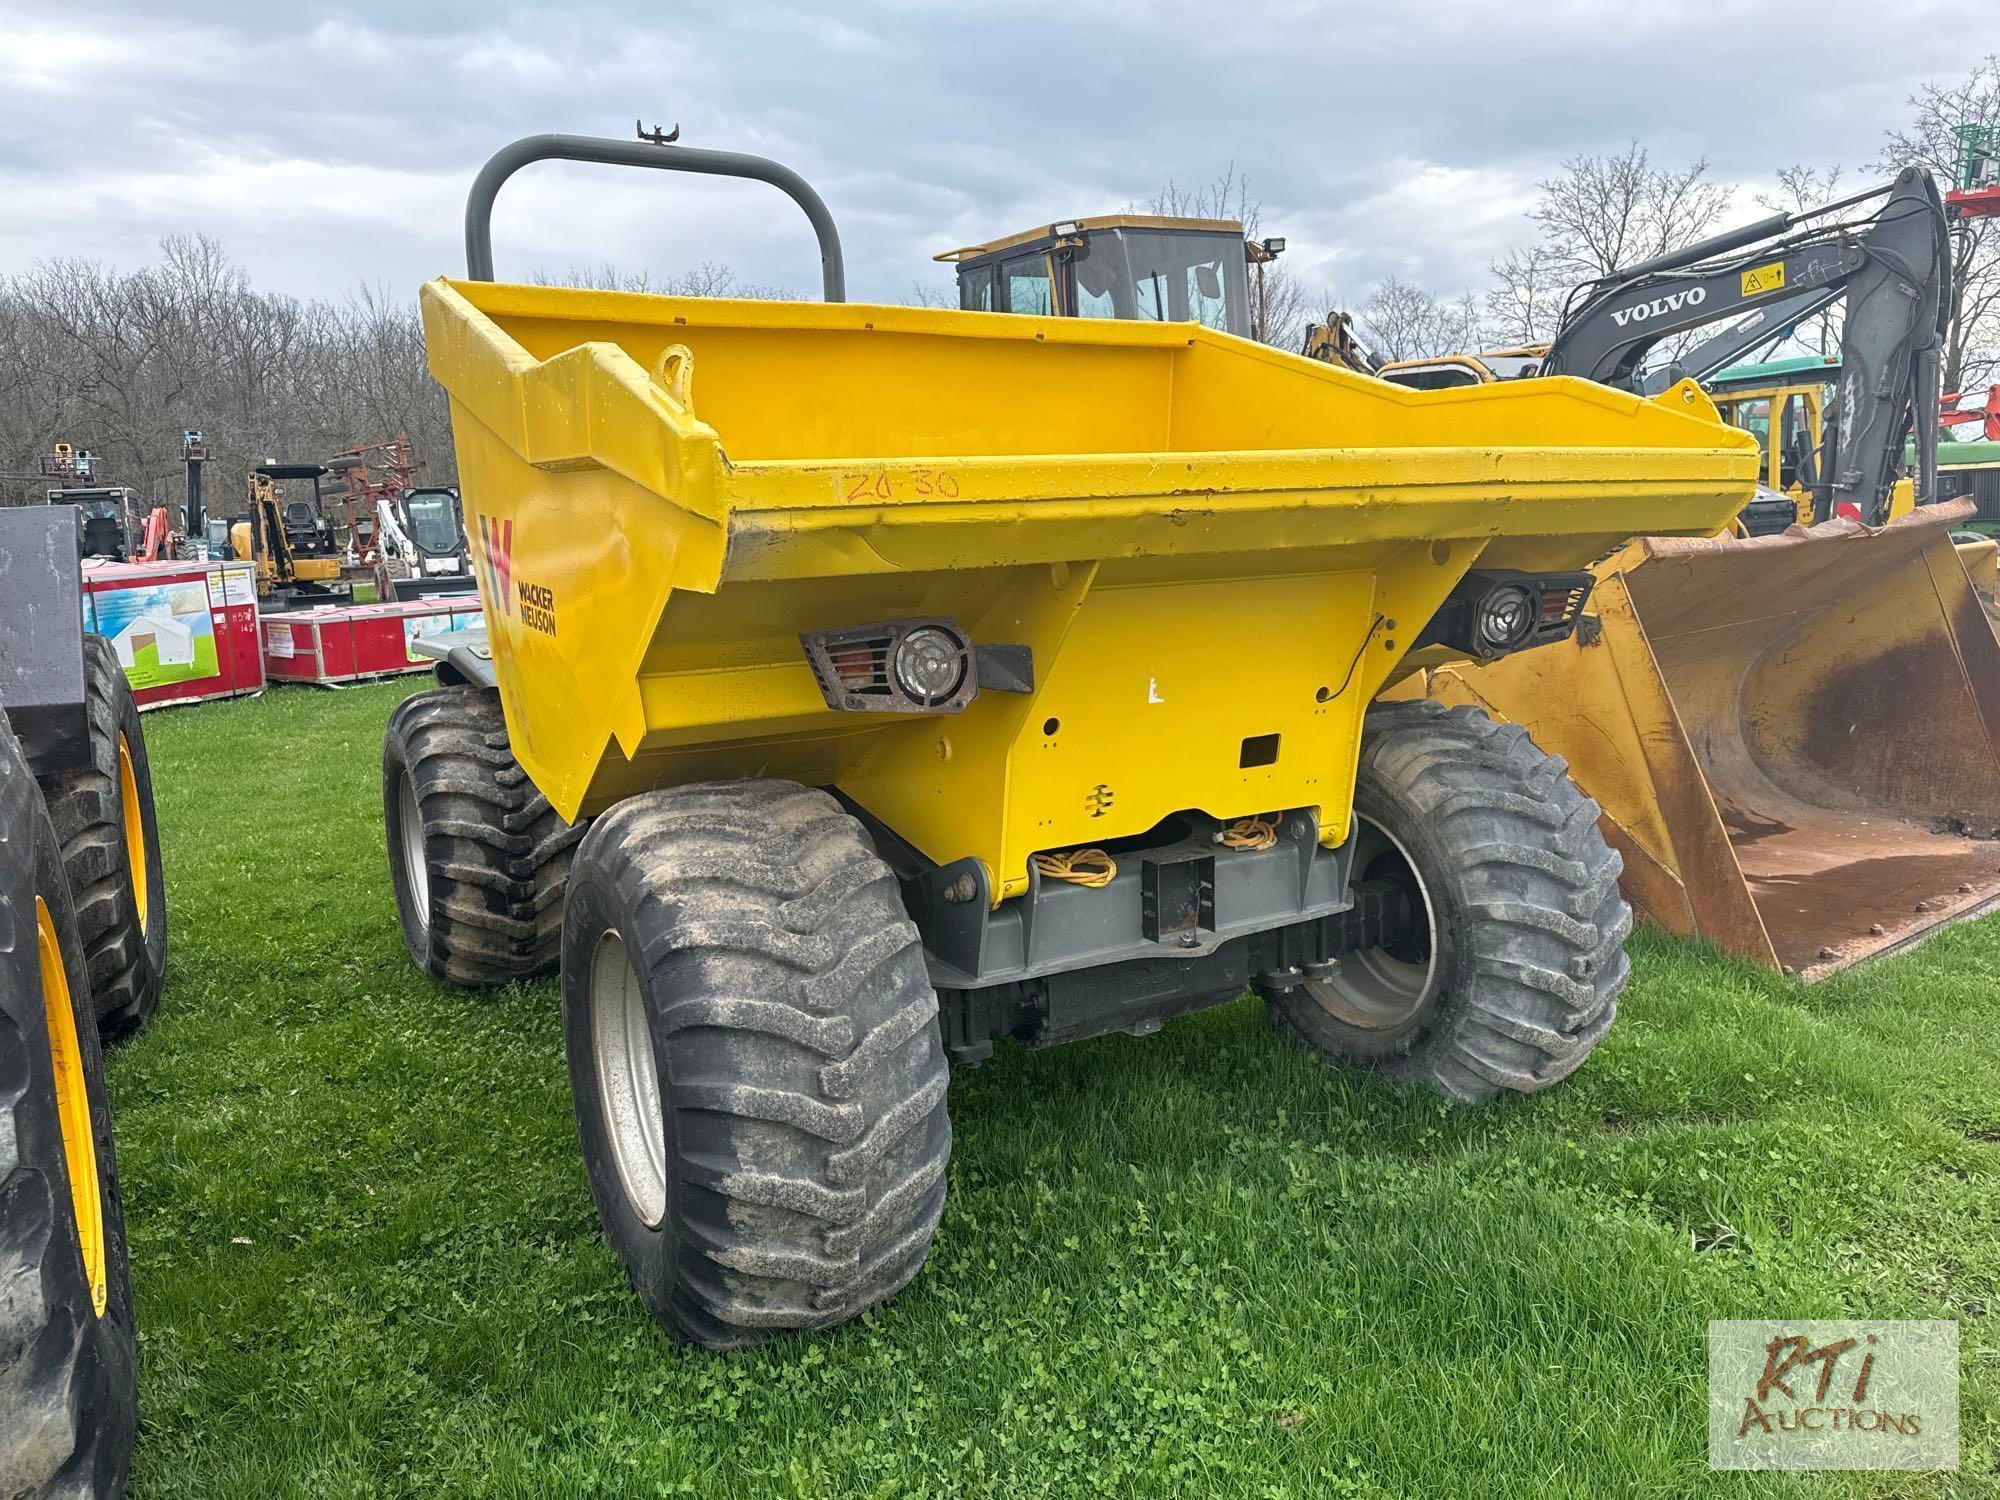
930,664
1507,617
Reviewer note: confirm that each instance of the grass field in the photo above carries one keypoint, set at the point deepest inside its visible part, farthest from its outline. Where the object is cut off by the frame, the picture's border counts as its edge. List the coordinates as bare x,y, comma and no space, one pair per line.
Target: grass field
1197,1264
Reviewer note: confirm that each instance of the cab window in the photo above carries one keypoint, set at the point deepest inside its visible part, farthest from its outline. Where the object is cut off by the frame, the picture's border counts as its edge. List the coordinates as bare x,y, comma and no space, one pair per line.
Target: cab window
975,290
1028,287
1205,302
1755,417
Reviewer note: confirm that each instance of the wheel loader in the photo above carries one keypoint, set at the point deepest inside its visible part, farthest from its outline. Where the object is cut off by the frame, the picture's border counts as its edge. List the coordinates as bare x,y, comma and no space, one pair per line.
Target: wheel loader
1794,736
83,943
863,686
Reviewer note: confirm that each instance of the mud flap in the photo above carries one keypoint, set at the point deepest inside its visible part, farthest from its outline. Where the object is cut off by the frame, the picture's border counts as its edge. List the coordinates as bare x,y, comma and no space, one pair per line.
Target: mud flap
1794,739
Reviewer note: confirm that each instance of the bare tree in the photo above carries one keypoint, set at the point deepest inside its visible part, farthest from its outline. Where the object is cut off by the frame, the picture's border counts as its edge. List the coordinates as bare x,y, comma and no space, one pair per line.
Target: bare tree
1524,305
1972,339
1282,309
121,362
1598,214
1404,321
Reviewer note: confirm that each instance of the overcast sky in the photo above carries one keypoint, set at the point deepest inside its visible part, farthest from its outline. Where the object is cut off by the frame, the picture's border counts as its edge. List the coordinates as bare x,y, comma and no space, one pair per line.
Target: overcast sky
325,146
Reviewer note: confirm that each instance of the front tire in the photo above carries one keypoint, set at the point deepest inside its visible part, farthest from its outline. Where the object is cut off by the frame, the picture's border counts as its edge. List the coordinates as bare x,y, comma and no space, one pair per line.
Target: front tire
477,856
1517,978
754,1058
68,1394
110,837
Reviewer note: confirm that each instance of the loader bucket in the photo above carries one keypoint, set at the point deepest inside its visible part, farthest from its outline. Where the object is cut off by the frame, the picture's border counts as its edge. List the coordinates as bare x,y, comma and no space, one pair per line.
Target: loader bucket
1794,739
1981,561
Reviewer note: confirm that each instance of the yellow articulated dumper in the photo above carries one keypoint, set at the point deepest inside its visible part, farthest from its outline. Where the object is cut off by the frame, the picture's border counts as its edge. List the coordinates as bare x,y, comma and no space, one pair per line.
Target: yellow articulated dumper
867,684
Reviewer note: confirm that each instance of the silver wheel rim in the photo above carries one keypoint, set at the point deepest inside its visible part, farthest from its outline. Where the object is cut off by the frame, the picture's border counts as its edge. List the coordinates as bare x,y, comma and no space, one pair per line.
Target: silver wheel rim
414,868
628,1079
1372,989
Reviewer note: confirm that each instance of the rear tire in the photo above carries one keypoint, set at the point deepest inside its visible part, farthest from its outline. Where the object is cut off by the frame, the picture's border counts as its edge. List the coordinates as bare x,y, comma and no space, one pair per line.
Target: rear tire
477,856
754,1058
1520,976
68,1393
104,820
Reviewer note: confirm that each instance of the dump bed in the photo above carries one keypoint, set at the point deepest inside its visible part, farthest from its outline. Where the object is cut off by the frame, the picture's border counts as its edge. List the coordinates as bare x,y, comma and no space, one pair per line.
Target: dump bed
1214,554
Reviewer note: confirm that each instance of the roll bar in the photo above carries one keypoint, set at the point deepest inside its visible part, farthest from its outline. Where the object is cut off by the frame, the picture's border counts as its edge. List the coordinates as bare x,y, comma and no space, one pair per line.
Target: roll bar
660,154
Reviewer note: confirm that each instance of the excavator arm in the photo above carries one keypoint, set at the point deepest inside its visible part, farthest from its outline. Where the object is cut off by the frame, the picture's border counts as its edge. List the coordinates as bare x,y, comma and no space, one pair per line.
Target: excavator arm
1894,271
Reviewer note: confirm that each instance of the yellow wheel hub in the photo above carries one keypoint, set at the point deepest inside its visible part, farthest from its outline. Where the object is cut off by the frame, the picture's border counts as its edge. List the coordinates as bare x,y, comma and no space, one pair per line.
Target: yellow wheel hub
72,1106
135,831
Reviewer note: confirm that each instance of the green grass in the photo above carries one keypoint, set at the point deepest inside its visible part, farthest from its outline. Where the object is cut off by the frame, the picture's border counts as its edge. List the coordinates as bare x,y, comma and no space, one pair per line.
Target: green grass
146,670
1198,1264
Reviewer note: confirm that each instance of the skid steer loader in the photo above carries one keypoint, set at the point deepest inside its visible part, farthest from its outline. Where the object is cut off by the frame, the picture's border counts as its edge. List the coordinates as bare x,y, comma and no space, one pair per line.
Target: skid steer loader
863,685
83,935
1795,735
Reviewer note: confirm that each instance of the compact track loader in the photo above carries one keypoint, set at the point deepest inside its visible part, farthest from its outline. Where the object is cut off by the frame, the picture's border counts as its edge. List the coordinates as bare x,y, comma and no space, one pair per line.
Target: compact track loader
863,685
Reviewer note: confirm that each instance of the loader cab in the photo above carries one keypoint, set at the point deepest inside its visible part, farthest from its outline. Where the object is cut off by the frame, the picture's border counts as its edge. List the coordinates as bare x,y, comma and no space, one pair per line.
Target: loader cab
103,512
1136,266
1784,403
431,518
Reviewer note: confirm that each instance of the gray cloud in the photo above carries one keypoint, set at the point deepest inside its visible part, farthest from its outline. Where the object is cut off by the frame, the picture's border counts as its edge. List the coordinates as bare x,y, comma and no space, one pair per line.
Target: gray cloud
326,146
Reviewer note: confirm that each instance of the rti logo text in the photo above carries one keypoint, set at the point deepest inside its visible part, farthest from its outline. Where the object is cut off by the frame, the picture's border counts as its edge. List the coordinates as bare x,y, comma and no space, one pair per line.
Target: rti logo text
1789,1361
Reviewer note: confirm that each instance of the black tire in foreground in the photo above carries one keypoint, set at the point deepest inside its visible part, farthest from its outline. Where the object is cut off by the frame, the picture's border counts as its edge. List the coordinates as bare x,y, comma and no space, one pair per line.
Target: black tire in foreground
477,856
68,1397
110,839
755,1059
1518,977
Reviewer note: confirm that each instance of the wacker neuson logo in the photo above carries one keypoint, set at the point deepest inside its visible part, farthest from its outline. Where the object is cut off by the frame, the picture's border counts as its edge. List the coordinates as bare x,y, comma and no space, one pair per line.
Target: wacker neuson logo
535,603
1832,1395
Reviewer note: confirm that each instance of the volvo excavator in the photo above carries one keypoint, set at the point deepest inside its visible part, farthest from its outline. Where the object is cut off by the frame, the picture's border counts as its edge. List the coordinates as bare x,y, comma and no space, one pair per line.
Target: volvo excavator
1794,736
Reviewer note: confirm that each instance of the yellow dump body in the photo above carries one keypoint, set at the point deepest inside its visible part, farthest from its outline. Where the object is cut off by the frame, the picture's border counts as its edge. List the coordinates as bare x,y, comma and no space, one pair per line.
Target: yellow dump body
1795,739
1203,543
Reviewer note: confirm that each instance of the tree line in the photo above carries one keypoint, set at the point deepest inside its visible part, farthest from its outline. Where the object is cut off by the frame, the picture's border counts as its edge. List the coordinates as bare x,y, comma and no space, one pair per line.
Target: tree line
122,362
